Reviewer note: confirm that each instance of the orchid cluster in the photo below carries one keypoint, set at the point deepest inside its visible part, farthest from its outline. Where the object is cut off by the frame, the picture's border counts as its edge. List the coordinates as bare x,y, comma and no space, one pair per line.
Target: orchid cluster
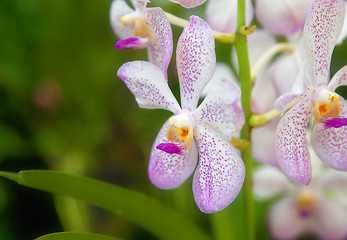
283,85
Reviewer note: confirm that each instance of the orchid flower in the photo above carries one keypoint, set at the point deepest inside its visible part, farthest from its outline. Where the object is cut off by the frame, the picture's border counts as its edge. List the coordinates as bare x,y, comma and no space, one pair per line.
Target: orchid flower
141,28
282,17
220,172
189,3
318,209
329,136
221,15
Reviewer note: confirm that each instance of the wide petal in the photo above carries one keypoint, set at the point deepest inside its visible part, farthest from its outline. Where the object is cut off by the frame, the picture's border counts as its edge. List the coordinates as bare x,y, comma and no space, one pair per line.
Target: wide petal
330,144
339,79
189,3
282,17
290,142
170,170
196,61
287,101
269,182
343,33
284,220
159,52
220,174
322,29
263,143
221,109
118,9
331,220
221,15
148,84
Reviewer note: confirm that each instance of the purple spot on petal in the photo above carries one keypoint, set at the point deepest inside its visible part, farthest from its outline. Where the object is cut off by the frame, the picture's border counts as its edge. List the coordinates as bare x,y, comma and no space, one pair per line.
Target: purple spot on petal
169,148
335,123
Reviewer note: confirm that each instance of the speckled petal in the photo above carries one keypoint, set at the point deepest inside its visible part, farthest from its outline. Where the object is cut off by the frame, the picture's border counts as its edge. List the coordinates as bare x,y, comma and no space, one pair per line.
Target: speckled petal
290,142
263,142
140,5
167,170
196,61
219,176
287,101
148,84
343,33
118,9
221,109
160,52
221,15
282,17
284,221
269,182
330,144
322,29
339,79
331,220
189,3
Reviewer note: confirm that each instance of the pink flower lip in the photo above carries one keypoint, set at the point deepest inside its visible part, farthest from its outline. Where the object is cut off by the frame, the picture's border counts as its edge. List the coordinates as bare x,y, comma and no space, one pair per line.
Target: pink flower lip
169,148
335,123
132,43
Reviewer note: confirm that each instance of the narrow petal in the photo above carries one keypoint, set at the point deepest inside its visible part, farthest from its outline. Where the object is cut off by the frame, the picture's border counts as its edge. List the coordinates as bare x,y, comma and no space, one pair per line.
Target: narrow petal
269,182
148,84
330,144
290,15
331,220
221,109
220,174
284,221
287,101
221,15
339,79
118,9
189,3
290,142
140,5
132,43
159,52
196,61
322,29
170,170
263,143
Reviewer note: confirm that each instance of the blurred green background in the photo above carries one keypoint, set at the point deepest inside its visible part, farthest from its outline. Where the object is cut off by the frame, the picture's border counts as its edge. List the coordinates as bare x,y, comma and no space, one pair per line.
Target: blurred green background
63,108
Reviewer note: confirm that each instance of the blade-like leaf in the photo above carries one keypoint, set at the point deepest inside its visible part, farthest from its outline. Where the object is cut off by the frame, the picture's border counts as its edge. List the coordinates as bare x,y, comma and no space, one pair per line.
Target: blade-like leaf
75,235
142,210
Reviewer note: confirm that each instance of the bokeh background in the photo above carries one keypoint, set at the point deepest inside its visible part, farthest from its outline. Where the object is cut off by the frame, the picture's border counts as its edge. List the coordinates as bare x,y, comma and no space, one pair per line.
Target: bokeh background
62,107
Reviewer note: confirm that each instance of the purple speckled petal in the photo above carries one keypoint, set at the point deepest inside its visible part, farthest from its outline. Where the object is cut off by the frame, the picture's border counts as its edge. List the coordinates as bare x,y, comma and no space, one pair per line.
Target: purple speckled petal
331,219
322,29
286,101
219,176
221,15
132,43
339,79
269,182
160,52
290,15
343,33
140,5
284,221
167,170
221,109
118,9
189,3
290,142
263,142
330,144
196,61
148,84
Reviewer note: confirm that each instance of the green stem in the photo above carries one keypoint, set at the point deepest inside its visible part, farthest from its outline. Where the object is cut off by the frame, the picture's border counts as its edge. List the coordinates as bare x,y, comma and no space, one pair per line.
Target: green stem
246,87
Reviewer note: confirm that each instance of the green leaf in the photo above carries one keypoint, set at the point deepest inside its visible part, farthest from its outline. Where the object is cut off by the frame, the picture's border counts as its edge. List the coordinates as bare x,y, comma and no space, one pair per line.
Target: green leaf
142,210
74,236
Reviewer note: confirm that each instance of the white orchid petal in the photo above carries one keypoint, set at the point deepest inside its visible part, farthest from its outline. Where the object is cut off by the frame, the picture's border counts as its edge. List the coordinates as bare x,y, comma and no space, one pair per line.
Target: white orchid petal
149,85
196,61
220,173
189,3
322,29
339,79
118,9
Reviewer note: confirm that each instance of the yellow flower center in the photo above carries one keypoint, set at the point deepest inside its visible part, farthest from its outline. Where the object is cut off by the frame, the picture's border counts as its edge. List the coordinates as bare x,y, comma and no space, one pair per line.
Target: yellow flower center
141,27
306,204
327,105
180,130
